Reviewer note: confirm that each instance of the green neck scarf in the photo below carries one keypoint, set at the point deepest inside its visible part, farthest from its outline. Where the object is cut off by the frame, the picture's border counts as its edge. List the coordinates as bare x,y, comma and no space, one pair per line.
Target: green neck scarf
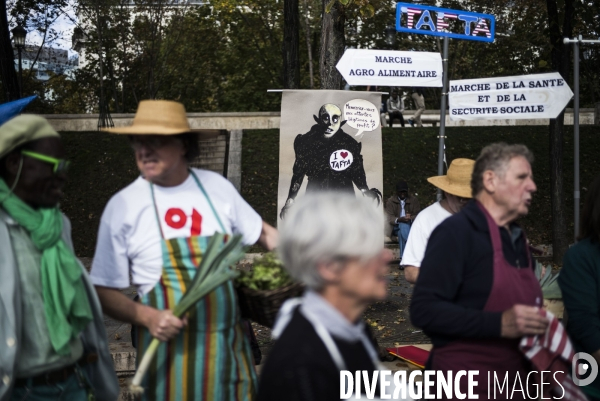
66,303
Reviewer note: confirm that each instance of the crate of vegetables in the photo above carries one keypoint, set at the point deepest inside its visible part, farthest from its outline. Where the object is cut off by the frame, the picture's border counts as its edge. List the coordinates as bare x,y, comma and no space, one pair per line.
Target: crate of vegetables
263,289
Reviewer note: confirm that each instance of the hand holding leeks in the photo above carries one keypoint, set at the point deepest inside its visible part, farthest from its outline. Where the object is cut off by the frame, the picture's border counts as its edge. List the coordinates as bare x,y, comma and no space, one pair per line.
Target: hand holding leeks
215,269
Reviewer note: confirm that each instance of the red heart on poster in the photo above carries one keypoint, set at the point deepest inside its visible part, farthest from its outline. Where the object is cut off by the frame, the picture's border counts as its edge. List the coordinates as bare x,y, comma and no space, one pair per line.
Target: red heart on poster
344,154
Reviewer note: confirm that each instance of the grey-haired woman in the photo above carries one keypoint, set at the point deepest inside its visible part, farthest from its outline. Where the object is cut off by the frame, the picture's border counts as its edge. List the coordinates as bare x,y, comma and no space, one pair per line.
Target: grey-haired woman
333,243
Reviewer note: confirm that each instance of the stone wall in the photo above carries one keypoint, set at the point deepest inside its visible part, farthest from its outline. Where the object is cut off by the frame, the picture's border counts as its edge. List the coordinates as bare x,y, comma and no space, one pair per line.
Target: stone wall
268,120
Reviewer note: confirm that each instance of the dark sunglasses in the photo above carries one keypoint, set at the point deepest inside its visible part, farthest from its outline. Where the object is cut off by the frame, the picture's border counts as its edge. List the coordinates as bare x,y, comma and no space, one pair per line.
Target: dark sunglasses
60,165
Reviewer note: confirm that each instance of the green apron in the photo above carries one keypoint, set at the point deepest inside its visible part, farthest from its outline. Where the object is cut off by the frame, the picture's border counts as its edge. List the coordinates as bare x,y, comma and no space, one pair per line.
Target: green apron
210,359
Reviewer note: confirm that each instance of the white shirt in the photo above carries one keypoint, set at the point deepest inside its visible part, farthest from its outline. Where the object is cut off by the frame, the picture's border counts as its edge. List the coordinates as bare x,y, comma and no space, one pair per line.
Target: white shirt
129,238
402,211
420,231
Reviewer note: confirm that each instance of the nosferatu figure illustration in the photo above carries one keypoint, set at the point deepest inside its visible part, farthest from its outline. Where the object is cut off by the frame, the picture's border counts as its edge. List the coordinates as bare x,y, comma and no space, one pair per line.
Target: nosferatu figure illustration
330,158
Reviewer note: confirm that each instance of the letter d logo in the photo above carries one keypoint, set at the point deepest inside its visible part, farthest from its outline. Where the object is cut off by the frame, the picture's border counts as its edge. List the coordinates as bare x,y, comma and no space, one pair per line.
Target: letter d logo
580,368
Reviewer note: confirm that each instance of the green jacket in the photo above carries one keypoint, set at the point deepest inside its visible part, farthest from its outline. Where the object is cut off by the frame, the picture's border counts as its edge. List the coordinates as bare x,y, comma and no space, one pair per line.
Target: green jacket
101,373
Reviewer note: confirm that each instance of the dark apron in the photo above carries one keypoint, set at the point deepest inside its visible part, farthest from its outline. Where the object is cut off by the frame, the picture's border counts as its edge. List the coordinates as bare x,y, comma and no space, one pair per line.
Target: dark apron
511,286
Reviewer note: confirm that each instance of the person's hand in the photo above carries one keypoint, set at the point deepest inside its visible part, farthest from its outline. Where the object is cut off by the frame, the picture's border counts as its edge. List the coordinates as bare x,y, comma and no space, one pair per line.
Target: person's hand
286,207
522,320
372,193
163,325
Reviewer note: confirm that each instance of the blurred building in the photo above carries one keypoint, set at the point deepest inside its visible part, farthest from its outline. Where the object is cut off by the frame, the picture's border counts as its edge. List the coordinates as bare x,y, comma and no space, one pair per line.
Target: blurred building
46,60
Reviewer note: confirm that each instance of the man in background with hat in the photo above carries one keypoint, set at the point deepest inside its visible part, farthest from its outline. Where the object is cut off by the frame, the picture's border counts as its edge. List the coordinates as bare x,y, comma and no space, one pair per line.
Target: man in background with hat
456,187
401,210
53,342
153,235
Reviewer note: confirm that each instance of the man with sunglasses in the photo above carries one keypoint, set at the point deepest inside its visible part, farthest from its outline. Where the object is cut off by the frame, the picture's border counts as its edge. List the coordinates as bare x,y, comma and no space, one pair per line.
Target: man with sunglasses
456,186
52,339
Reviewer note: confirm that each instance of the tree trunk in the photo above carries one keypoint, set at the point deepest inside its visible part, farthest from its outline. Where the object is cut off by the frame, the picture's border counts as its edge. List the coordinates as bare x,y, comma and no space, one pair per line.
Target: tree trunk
309,45
561,63
333,43
291,45
8,74
560,241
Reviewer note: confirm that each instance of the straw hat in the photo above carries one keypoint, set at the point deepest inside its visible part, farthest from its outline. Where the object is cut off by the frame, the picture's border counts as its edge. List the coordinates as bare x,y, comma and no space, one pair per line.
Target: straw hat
458,180
156,117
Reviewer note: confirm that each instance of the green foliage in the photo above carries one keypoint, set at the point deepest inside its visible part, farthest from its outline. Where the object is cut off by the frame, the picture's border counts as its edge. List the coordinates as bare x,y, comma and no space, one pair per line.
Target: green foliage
229,59
218,58
224,57
411,154
548,282
101,165
267,273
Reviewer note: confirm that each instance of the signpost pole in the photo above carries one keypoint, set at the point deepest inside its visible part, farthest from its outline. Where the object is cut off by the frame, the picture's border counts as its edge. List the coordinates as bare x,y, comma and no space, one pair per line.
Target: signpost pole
442,134
576,192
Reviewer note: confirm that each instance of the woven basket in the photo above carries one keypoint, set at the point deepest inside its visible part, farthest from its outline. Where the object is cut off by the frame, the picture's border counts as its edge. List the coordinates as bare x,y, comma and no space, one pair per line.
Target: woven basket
261,306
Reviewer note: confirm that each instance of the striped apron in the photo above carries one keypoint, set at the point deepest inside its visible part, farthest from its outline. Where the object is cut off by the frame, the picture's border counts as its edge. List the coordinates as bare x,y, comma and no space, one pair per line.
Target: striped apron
210,359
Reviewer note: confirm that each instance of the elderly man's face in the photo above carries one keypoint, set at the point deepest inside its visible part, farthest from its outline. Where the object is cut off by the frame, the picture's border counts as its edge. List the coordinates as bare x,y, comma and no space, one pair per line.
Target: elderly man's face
514,191
157,156
38,185
402,194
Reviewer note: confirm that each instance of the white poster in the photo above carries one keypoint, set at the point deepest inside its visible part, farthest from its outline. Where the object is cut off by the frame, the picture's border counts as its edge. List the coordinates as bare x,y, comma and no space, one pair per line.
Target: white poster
329,140
516,97
391,68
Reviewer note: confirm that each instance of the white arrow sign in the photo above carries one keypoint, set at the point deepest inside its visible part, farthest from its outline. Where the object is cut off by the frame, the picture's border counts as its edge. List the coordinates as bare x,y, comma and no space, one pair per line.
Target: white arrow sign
517,97
391,68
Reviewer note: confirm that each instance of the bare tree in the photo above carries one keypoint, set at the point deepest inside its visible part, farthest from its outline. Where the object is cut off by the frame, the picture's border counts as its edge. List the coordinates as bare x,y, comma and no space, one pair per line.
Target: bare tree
7,58
333,44
308,44
291,44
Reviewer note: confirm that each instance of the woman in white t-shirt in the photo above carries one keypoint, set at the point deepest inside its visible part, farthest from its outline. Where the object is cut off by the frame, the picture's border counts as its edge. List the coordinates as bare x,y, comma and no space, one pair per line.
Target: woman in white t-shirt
152,235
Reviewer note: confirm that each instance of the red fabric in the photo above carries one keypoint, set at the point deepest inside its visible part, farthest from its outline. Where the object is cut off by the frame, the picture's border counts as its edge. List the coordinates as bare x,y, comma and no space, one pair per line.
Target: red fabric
553,352
412,354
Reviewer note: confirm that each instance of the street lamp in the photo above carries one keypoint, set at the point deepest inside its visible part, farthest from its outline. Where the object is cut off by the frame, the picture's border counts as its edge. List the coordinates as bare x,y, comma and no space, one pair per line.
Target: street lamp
390,36
19,35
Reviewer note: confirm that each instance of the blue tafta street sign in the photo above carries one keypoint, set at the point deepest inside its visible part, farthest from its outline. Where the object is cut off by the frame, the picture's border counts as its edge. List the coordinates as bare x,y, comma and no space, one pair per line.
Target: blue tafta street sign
426,20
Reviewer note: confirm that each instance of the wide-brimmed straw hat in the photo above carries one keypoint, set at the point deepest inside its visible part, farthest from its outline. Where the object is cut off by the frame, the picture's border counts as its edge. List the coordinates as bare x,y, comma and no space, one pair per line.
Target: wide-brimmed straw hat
458,179
156,117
